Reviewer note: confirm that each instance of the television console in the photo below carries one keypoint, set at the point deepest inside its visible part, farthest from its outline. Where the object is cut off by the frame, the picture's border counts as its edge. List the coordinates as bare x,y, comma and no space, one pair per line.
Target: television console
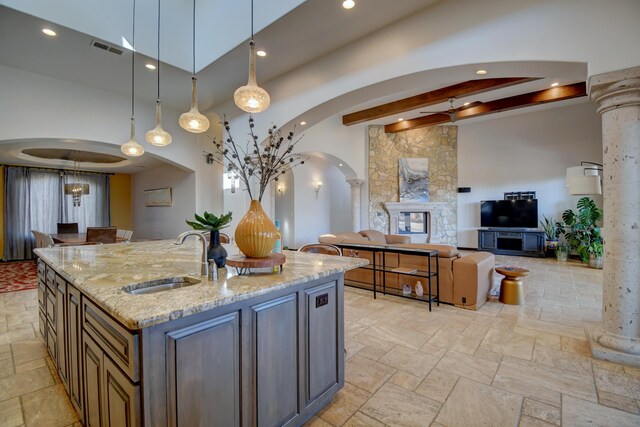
512,241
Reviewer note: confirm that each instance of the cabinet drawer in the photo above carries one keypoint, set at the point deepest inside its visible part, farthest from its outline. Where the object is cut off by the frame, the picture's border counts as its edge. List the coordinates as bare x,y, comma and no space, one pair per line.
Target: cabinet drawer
51,306
41,268
51,343
51,278
120,344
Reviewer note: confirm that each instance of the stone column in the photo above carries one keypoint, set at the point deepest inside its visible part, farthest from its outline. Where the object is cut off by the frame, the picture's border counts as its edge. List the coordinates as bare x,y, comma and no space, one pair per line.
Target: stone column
356,187
617,94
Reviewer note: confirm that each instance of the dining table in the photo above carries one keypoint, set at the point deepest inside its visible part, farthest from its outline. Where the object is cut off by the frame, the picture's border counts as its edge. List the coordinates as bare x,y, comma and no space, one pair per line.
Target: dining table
77,238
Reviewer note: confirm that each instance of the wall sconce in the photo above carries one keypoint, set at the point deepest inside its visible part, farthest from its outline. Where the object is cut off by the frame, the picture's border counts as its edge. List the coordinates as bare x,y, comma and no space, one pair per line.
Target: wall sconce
208,157
235,181
281,188
317,188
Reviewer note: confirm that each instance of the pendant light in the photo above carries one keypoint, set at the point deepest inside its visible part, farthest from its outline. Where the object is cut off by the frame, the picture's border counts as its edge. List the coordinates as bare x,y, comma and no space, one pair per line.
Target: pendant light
132,148
251,98
158,136
193,121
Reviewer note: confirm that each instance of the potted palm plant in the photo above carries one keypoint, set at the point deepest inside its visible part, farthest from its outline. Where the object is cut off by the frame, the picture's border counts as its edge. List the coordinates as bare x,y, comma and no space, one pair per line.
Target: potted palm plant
582,232
213,224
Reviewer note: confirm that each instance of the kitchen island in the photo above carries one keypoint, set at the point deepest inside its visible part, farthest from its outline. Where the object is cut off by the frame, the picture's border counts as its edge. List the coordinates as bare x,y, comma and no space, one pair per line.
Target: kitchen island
140,338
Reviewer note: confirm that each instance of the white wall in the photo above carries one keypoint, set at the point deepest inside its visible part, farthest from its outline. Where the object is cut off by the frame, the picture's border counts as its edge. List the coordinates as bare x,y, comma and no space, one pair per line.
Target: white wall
163,222
36,106
523,152
330,212
285,209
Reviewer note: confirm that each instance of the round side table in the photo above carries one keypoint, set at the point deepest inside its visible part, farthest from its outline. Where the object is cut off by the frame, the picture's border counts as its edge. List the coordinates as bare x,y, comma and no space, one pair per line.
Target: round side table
511,290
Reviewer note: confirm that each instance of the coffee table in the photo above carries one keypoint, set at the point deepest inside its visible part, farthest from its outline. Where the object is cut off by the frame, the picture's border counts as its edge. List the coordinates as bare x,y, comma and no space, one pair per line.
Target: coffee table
511,289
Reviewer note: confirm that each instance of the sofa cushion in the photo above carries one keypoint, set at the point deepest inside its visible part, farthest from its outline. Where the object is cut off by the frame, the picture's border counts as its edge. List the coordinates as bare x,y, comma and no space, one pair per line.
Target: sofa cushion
346,237
444,251
374,236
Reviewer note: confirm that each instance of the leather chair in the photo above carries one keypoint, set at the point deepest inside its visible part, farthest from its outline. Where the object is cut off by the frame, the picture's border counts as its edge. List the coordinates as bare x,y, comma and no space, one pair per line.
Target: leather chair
101,234
321,248
67,227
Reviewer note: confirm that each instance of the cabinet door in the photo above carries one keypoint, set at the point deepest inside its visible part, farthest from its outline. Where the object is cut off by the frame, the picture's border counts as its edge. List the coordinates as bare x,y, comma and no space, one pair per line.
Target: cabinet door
120,405
92,357
530,242
74,353
275,360
209,365
322,340
61,330
487,239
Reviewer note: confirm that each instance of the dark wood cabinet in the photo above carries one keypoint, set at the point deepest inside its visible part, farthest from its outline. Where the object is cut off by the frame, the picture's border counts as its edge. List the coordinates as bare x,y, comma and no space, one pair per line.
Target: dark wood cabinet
507,241
121,398
74,339
93,360
61,331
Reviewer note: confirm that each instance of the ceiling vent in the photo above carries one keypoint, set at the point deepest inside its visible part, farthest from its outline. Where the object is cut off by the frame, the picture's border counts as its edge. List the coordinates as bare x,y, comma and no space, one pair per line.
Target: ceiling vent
106,47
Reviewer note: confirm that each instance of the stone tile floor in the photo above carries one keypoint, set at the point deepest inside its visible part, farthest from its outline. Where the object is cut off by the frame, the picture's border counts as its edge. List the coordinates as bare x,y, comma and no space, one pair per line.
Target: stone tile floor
500,366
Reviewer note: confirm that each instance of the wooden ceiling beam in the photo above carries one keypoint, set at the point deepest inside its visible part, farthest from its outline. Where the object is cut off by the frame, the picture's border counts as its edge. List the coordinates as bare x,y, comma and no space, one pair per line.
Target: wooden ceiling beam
459,90
545,96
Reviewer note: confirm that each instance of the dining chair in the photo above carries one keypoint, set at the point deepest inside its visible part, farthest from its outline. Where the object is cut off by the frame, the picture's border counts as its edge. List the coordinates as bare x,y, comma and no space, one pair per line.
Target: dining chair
120,233
224,238
101,234
67,227
321,248
47,241
128,234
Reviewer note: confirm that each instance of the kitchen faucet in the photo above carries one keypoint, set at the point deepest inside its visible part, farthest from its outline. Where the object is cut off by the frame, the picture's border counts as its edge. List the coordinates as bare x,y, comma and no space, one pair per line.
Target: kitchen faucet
204,271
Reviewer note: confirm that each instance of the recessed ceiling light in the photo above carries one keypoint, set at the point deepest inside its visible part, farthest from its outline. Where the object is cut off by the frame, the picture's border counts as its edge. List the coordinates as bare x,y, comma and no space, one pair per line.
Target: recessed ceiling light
554,84
261,53
465,104
348,4
481,72
400,119
49,32
303,123
150,66
340,164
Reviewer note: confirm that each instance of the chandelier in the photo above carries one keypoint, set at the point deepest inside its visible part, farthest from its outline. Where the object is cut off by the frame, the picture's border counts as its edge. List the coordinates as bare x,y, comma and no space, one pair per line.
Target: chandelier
76,189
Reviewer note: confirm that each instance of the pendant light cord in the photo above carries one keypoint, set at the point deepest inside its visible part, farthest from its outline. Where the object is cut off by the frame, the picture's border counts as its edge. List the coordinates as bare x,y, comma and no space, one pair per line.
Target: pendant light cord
194,38
251,20
133,56
158,60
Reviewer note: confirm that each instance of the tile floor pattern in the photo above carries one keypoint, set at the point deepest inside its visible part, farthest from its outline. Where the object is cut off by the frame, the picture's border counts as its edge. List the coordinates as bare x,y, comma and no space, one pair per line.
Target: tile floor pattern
500,366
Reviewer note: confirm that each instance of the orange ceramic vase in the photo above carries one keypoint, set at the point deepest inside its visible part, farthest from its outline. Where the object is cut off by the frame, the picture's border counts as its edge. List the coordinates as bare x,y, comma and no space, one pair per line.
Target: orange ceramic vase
256,235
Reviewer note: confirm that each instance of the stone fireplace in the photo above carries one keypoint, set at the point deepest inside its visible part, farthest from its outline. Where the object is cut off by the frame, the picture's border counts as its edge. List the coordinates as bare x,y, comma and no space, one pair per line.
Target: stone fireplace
433,211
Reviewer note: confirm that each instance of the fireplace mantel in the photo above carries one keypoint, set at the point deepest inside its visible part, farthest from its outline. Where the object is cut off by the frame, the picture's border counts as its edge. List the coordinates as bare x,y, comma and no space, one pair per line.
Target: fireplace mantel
433,210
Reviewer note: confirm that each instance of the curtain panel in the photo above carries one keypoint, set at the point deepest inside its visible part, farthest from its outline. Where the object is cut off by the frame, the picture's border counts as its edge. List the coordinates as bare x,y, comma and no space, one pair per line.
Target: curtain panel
35,200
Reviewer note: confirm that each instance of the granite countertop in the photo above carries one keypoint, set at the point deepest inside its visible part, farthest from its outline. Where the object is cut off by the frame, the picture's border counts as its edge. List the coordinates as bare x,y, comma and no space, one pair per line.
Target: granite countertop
101,271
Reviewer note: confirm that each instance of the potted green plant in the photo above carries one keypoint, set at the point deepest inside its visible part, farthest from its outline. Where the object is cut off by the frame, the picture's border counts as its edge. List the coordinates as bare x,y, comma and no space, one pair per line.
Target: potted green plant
213,224
581,230
562,252
596,252
552,232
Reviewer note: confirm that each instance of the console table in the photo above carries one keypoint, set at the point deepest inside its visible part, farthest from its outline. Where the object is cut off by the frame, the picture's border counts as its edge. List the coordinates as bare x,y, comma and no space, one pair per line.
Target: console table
507,241
380,266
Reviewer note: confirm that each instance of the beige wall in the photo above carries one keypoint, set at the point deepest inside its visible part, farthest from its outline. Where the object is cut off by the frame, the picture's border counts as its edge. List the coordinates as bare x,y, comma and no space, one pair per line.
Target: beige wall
120,193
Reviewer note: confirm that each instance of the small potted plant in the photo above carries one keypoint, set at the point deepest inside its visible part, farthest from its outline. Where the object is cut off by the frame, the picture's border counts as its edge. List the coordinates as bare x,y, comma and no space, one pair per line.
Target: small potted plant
552,231
562,252
596,252
213,224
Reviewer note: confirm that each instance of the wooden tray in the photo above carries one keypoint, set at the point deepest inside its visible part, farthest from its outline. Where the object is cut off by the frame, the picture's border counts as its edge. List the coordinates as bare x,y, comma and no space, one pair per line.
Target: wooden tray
241,261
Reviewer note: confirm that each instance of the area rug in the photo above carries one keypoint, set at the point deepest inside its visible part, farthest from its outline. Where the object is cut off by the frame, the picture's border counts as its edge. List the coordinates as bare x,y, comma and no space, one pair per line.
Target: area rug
18,276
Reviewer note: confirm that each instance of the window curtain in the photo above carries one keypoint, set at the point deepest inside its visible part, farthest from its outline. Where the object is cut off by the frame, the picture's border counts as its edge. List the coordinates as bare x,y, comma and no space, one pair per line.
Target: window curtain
35,200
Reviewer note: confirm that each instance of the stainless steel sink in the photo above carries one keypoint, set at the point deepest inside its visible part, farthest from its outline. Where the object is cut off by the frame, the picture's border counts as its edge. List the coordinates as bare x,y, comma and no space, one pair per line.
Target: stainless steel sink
160,285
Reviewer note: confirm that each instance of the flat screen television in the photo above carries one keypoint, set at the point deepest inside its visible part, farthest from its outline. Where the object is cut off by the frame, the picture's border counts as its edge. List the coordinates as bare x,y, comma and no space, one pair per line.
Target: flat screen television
509,213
